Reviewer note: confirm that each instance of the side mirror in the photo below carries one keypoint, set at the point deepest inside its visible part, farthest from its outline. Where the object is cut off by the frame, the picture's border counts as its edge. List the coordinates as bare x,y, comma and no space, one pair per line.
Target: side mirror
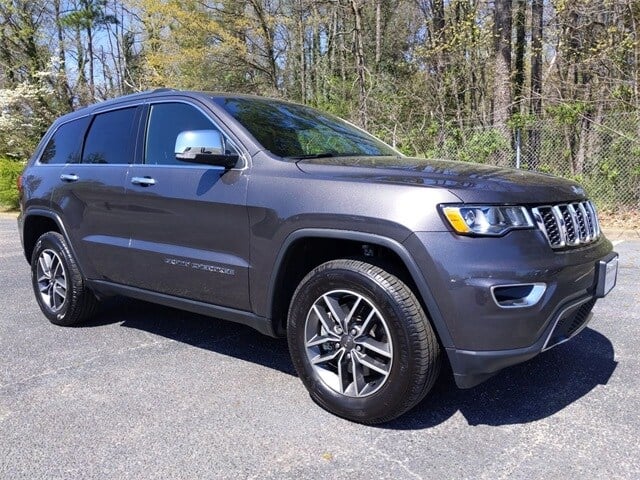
204,146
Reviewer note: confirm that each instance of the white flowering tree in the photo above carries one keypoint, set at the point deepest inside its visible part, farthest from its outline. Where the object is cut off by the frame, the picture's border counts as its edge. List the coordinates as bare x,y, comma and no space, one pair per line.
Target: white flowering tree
20,120
26,110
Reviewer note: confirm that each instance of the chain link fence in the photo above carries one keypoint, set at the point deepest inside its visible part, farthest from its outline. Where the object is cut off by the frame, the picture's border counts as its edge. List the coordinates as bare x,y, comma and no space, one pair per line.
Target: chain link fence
603,154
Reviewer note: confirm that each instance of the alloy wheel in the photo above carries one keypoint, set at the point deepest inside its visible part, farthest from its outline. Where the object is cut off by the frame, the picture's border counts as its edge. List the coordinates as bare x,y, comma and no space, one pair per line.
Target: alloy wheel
52,280
348,344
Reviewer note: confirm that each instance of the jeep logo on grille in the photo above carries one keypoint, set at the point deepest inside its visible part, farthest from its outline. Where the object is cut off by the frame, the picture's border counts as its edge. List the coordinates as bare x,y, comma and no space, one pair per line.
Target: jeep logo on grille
577,190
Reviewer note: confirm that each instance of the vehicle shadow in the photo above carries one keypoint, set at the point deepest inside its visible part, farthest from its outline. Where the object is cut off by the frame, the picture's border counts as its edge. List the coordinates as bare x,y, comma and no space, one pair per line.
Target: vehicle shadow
220,336
524,393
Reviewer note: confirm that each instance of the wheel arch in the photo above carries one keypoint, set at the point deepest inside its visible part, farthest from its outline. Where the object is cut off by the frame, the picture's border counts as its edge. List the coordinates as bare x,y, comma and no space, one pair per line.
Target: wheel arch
37,221
278,302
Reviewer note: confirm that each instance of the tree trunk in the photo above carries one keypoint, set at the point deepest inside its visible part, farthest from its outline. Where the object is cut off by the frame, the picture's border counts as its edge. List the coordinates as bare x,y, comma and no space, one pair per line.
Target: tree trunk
378,31
331,43
63,83
360,66
437,32
81,83
502,75
92,86
343,48
586,142
536,81
570,142
302,56
317,73
521,43
7,62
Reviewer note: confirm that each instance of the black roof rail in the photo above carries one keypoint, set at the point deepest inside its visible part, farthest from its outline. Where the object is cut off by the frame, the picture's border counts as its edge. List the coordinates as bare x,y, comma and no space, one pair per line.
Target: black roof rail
164,89
96,107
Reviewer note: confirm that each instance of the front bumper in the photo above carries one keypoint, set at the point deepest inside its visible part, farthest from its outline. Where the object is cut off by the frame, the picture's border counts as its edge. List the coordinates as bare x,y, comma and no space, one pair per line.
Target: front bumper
473,367
484,338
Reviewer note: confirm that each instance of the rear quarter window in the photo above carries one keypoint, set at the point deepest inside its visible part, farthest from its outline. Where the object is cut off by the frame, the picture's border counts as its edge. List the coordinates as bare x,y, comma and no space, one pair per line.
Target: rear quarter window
65,145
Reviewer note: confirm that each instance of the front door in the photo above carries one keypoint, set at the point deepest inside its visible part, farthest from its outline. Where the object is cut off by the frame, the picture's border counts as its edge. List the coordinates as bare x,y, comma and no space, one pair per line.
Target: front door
190,229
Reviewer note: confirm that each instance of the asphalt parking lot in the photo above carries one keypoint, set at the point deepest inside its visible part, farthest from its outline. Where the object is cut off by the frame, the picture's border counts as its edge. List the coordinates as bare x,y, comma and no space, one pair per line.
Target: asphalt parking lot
150,392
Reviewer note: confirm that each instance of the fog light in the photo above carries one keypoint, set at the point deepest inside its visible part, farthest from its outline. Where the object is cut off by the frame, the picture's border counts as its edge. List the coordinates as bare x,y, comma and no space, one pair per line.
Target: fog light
518,295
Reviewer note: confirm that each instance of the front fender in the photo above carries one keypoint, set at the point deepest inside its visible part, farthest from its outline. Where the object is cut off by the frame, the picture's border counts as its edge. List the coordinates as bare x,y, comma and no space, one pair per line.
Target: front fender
397,247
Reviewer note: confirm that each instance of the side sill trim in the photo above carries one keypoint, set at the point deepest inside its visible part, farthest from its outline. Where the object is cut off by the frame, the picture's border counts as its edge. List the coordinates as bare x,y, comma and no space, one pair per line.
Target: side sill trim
252,320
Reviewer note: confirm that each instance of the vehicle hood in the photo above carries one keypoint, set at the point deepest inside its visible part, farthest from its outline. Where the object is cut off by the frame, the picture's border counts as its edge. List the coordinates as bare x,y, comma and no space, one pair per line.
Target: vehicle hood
471,182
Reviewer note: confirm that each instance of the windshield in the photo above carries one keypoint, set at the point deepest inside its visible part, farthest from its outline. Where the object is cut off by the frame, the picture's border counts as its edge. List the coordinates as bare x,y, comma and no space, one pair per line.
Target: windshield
295,131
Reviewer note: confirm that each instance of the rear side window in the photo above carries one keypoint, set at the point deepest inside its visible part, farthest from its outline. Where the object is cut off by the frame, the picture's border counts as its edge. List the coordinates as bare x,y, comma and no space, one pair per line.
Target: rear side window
66,144
111,137
166,121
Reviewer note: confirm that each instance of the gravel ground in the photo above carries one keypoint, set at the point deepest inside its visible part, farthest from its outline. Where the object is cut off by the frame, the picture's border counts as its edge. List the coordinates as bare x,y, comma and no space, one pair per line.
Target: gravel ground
150,392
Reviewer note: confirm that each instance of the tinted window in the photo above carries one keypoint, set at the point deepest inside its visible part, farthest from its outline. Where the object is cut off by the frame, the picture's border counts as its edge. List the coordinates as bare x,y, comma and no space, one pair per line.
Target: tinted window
66,143
290,130
166,121
111,137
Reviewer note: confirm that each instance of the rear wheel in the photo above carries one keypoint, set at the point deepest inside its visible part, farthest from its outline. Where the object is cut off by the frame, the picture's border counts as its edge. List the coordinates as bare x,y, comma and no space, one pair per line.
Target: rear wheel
361,342
58,283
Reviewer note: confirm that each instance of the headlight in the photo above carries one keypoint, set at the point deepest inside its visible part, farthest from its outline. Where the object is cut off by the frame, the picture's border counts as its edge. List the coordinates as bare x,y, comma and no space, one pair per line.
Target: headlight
486,219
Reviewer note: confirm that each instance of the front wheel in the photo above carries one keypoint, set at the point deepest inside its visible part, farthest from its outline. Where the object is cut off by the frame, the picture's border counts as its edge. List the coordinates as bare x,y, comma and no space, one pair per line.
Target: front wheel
361,342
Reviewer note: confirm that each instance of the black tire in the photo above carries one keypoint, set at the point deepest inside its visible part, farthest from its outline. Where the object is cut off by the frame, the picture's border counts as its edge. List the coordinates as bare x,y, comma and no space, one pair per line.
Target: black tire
414,351
79,302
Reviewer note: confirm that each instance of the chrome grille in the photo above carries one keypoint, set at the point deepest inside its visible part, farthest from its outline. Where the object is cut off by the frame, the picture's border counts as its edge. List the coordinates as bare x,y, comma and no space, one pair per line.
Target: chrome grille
568,224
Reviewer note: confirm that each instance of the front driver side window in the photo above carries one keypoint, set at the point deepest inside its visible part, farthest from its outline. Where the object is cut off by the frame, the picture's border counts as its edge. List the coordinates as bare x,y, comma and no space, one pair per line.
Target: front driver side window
166,121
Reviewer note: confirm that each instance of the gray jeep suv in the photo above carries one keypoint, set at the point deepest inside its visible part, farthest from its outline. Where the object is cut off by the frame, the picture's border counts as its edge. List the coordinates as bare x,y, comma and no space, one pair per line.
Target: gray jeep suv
377,267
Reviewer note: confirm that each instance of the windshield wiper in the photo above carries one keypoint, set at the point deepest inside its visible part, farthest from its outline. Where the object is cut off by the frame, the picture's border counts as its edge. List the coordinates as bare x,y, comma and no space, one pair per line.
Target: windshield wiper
312,155
327,155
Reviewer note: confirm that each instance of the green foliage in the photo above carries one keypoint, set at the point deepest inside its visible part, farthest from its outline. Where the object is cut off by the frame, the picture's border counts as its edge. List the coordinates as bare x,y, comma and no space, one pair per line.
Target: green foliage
430,72
91,14
10,170
521,120
337,99
567,113
484,145
479,146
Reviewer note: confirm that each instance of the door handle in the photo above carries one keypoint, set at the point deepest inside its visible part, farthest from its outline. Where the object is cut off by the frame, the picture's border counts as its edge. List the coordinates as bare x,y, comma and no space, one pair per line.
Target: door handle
69,177
143,181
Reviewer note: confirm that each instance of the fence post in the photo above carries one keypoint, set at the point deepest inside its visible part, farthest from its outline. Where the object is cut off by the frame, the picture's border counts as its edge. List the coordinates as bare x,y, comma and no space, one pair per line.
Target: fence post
518,151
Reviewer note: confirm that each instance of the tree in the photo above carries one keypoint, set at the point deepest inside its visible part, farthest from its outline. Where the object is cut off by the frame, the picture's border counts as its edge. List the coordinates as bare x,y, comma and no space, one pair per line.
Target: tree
502,19
519,47
358,36
88,16
416,72
535,108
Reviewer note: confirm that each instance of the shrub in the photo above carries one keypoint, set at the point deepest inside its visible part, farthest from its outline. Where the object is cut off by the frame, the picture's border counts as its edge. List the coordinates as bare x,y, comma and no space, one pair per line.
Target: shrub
10,170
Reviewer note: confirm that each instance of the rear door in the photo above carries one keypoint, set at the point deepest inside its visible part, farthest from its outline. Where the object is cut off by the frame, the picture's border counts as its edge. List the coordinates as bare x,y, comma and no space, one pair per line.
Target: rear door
190,229
63,147
90,196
